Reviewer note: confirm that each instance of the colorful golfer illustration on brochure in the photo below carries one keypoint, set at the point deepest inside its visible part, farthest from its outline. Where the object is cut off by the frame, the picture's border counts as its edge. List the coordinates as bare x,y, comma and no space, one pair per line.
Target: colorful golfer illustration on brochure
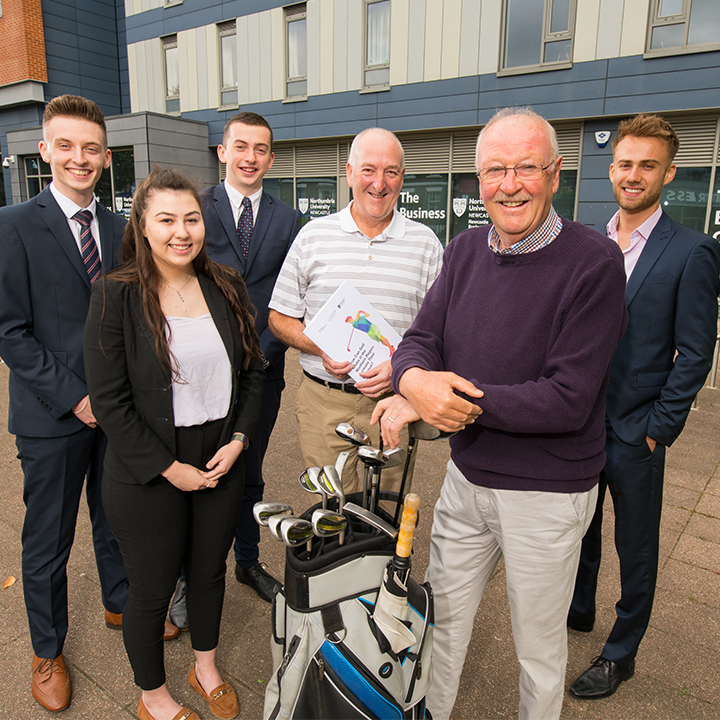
349,328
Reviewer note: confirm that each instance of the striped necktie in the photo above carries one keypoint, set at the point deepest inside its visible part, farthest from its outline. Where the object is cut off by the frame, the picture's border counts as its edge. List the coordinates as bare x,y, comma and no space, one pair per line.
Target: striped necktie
88,246
245,227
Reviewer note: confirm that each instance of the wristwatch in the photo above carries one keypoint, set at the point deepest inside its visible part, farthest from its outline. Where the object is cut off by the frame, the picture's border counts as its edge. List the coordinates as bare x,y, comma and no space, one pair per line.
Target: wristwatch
243,438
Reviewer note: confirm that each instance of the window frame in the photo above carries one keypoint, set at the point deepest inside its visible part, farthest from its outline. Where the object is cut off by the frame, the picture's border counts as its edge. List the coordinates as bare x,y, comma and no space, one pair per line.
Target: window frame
547,37
170,42
378,87
227,29
655,20
294,13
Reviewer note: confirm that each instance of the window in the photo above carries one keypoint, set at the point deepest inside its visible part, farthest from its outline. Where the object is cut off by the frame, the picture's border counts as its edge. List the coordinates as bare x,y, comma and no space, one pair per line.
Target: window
37,175
296,46
228,64
172,74
116,186
678,26
377,45
538,34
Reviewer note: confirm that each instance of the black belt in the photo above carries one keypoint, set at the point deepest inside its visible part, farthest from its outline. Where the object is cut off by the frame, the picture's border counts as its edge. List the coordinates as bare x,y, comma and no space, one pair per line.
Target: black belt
343,387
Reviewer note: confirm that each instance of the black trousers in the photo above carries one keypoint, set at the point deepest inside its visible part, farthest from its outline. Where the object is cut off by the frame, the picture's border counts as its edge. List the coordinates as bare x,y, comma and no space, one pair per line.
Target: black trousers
54,471
161,529
247,534
634,477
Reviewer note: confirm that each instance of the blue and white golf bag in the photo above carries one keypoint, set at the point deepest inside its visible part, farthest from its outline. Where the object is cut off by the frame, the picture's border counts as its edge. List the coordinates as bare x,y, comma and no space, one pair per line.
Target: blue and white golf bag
330,660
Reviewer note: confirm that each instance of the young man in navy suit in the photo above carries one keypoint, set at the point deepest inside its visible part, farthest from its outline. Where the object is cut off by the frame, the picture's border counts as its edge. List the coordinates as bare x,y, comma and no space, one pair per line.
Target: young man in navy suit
52,248
252,231
660,365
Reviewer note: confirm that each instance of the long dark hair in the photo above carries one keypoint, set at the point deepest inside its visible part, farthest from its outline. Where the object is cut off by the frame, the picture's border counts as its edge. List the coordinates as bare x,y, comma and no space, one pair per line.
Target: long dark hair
138,267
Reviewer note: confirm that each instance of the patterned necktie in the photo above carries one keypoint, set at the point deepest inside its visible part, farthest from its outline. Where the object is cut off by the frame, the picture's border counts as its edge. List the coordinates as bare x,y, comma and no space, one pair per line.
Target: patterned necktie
245,227
88,246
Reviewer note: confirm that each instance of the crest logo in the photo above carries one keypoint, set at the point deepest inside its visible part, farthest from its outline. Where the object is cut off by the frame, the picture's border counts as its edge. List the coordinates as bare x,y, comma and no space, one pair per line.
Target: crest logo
459,206
303,205
118,204
601,138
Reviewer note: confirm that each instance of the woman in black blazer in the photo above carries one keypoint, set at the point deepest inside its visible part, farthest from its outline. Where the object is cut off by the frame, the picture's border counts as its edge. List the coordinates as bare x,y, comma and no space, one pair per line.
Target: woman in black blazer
175,381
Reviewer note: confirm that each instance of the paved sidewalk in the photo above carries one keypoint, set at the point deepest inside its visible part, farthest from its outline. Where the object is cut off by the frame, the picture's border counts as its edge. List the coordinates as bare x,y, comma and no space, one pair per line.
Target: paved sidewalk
677,675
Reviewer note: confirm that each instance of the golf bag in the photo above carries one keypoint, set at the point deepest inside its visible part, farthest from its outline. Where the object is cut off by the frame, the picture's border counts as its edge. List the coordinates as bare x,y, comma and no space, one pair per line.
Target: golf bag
330,660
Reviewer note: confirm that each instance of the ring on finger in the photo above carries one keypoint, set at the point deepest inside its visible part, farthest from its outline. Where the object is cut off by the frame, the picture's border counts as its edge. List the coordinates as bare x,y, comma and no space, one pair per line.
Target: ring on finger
391,420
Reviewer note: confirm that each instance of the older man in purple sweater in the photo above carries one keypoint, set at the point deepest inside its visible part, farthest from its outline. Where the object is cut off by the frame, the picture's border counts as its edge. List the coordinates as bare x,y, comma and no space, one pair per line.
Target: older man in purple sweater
512,346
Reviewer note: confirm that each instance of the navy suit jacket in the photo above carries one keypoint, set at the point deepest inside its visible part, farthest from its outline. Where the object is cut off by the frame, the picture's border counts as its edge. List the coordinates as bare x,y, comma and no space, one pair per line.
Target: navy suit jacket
276,227
44,300
671,298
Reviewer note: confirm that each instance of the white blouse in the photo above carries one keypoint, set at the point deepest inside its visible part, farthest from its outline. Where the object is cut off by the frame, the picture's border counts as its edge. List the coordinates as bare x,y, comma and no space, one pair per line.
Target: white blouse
204,388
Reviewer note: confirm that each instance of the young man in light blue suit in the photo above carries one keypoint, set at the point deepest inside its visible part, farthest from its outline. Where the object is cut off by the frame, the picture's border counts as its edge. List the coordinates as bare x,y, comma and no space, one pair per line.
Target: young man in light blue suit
659,366
270,230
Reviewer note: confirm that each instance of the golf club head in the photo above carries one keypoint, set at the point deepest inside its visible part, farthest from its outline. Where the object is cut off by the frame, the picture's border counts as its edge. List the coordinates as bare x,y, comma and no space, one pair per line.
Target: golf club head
347,432
340,461
371,519
295,531
326,523
370,456
263,511
421,430
330,480
308,479
274,524
395,457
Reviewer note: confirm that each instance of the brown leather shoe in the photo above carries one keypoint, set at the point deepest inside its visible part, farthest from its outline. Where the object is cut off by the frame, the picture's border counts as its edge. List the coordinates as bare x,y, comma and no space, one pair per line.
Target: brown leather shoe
184,714
114,622
51,683
222,701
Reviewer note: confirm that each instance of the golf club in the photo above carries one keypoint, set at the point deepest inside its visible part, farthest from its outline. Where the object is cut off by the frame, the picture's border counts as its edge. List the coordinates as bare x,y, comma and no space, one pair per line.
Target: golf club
371,519
347,432
296,531
327,523
274,524
371,458
392,458
309,481
263,511
340,461
330,481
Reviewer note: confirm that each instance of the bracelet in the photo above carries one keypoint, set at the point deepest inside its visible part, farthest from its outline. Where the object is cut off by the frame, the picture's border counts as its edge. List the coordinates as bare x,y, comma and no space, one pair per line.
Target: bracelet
87,400
243,438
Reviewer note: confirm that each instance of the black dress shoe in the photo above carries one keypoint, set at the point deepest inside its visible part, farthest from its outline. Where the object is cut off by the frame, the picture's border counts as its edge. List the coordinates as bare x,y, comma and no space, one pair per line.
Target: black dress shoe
259,579
581,624
601,679
178,607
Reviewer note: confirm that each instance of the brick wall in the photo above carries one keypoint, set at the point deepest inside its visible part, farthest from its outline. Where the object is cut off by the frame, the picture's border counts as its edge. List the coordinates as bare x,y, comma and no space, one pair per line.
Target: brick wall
23,42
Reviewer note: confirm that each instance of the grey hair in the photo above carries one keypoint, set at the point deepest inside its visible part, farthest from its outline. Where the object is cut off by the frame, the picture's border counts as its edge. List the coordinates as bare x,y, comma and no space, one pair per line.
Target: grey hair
352,157
524,111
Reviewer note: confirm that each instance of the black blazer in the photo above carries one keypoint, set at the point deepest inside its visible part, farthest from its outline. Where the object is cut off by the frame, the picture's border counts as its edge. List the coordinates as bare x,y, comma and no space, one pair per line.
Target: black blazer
671,298
276,227
44,299
131,391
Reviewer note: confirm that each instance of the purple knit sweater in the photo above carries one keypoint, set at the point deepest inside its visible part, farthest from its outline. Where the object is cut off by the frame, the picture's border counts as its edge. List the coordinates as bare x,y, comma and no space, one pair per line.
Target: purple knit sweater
536,333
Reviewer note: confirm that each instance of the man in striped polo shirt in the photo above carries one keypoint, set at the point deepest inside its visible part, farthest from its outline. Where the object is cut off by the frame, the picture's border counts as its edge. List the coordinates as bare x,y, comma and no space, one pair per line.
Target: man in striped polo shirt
391,260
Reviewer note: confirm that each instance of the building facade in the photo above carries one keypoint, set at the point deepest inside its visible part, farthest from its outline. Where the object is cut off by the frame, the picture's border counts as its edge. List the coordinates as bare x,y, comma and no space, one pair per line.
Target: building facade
433,71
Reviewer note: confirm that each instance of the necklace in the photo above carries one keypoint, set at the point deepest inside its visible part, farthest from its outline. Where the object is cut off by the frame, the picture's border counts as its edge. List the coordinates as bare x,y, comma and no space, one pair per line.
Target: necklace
182,299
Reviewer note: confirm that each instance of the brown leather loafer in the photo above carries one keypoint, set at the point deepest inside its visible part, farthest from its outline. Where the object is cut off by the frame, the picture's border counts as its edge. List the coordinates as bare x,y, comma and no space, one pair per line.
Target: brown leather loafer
184,714
51,683
222,701
114,622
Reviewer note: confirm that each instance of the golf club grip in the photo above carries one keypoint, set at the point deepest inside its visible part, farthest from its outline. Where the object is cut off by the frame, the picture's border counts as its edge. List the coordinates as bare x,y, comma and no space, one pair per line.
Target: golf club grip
407,525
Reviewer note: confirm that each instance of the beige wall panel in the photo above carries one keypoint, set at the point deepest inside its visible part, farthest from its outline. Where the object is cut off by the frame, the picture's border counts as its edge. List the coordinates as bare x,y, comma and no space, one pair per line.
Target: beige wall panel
241,28
416,41
469,37
340,49
433,39
201,60
634,27
277,33
253,67
609,28
490,33
586,30
313,47
355,55
451,24
327,32
133,77
399,42
265,56
212,66
187,51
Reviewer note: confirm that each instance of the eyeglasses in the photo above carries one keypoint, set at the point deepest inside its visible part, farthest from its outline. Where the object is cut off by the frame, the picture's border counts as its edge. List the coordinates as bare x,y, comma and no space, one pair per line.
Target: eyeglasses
522,172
